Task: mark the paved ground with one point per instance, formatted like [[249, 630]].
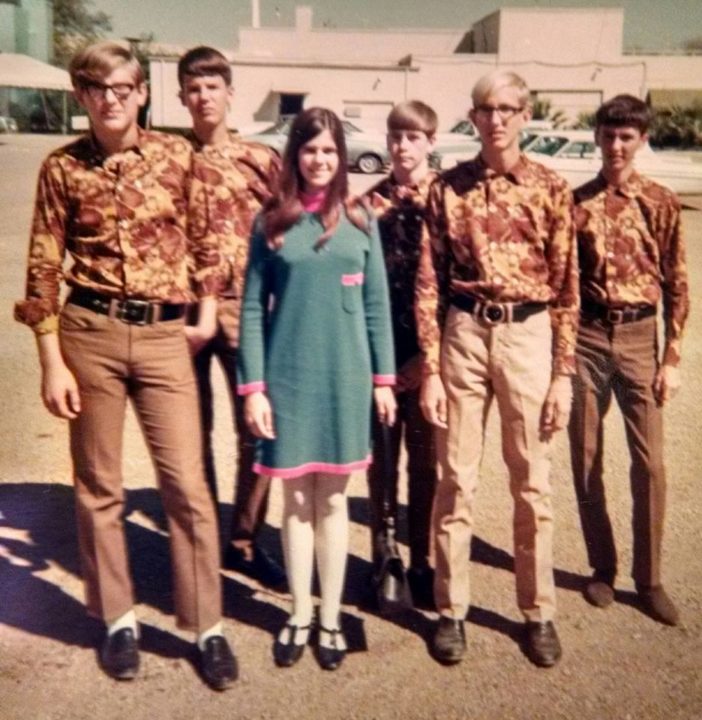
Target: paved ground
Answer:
[[617, 663]]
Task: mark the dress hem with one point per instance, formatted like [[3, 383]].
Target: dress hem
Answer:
[[311, 467]]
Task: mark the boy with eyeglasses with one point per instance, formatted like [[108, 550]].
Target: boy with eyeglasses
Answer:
[[119, 201], [632, 256], [398, 202], [238, 178], [497, 313]]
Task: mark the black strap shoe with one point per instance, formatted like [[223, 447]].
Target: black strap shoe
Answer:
[[119, 655], [218, 664], [287, 653], [543, 647], [331, 656], [449, 643]]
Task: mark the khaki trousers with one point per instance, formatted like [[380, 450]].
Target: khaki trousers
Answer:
[[619, 359], [150, 364], [511, 362]]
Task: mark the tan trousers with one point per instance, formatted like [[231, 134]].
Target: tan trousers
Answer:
[[511, 362], [150, 364]]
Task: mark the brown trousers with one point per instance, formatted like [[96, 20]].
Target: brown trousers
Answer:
[[252, 490], [150, 364], [512, 363], [619, 360]]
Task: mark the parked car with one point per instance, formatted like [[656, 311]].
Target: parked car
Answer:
[[7, 124], [574, 155], [367, 151]]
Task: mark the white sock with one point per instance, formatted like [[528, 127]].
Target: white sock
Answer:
[[215, 630], [128, 620]]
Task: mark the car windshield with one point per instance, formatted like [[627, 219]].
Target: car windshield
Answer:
[[548, 144]]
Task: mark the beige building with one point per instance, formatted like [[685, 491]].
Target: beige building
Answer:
[[572, 57]]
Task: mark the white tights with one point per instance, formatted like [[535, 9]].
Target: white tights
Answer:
[[315, 518]]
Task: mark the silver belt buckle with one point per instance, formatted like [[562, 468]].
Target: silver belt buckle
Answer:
[[493, 313], [134, 312]]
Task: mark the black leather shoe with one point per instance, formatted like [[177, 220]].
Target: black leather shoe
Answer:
[[543, 647], [119, 655], [449, 644], [258, 565], [286, 654], [330, 658], [218, 664]]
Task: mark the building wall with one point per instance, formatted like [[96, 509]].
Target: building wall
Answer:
[[26, 28]]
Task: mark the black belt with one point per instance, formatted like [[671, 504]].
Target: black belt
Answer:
[[618, 315], [493, 313], [128, 310]]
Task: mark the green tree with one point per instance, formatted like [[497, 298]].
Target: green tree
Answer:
[[677, 126], [76, 25], [542, 109]]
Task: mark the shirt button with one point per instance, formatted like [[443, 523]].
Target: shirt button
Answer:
[[124, 224]]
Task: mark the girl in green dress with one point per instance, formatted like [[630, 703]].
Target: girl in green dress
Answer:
[[315, 350]]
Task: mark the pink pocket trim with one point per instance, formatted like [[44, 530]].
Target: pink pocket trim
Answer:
[[352, 279]]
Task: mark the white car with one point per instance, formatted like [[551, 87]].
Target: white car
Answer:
[[574, 155]]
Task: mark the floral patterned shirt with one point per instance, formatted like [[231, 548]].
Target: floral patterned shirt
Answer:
[[500, 237], [238, 177], [123, 219], [632, 252], [400, 213]]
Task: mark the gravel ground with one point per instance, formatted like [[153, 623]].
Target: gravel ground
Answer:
[[617, 663]]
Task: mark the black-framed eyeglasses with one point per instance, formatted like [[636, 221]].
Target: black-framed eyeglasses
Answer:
[[506, 112], [98, 91]]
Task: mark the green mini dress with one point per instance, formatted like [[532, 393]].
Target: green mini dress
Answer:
[[316, 337]]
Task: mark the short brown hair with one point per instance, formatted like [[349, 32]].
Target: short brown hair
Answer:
[[413, 115], [95, 62], [201, 61], [624, 111]]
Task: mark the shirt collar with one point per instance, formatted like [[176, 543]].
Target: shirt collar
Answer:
[[631, 188], [95, 155], [521, 173]]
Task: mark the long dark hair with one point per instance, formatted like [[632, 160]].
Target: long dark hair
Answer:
[[283, 210]]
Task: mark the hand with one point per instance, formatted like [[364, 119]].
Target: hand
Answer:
[[258, 415], [666, 384], [198, 336], [556, 408], [385, 404], [432, 400], [59, 391]]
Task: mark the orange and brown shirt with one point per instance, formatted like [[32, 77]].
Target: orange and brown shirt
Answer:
[[237, 178], [123, 219], [399, 210], [499, 237], [632, 251]]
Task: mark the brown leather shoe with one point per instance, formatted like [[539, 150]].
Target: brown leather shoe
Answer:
[[657, 604], [543, 647], [599, 591], [449, 644]]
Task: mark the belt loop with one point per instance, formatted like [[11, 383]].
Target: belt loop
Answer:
[[112, 308]]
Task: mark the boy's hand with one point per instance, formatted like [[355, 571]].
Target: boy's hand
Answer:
[[556, 408], [432, 400], [666, 384], [59, 391]]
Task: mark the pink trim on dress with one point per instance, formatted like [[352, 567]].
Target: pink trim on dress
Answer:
[[311, 467], [384, 379], [312, 202], [351, 279], [252, 387]]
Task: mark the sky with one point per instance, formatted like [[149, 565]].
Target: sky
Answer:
[[654, 25]]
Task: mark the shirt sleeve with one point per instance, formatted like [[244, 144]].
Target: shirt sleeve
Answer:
[[431, 289], [47, 249], [562, 256], [254, 315], [206, 266], [376, 302], [675, 288]]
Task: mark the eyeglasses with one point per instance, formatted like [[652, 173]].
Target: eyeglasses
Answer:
[[98, 91], [506, 112]]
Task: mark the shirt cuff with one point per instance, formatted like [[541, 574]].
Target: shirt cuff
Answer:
[[382, 380]]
